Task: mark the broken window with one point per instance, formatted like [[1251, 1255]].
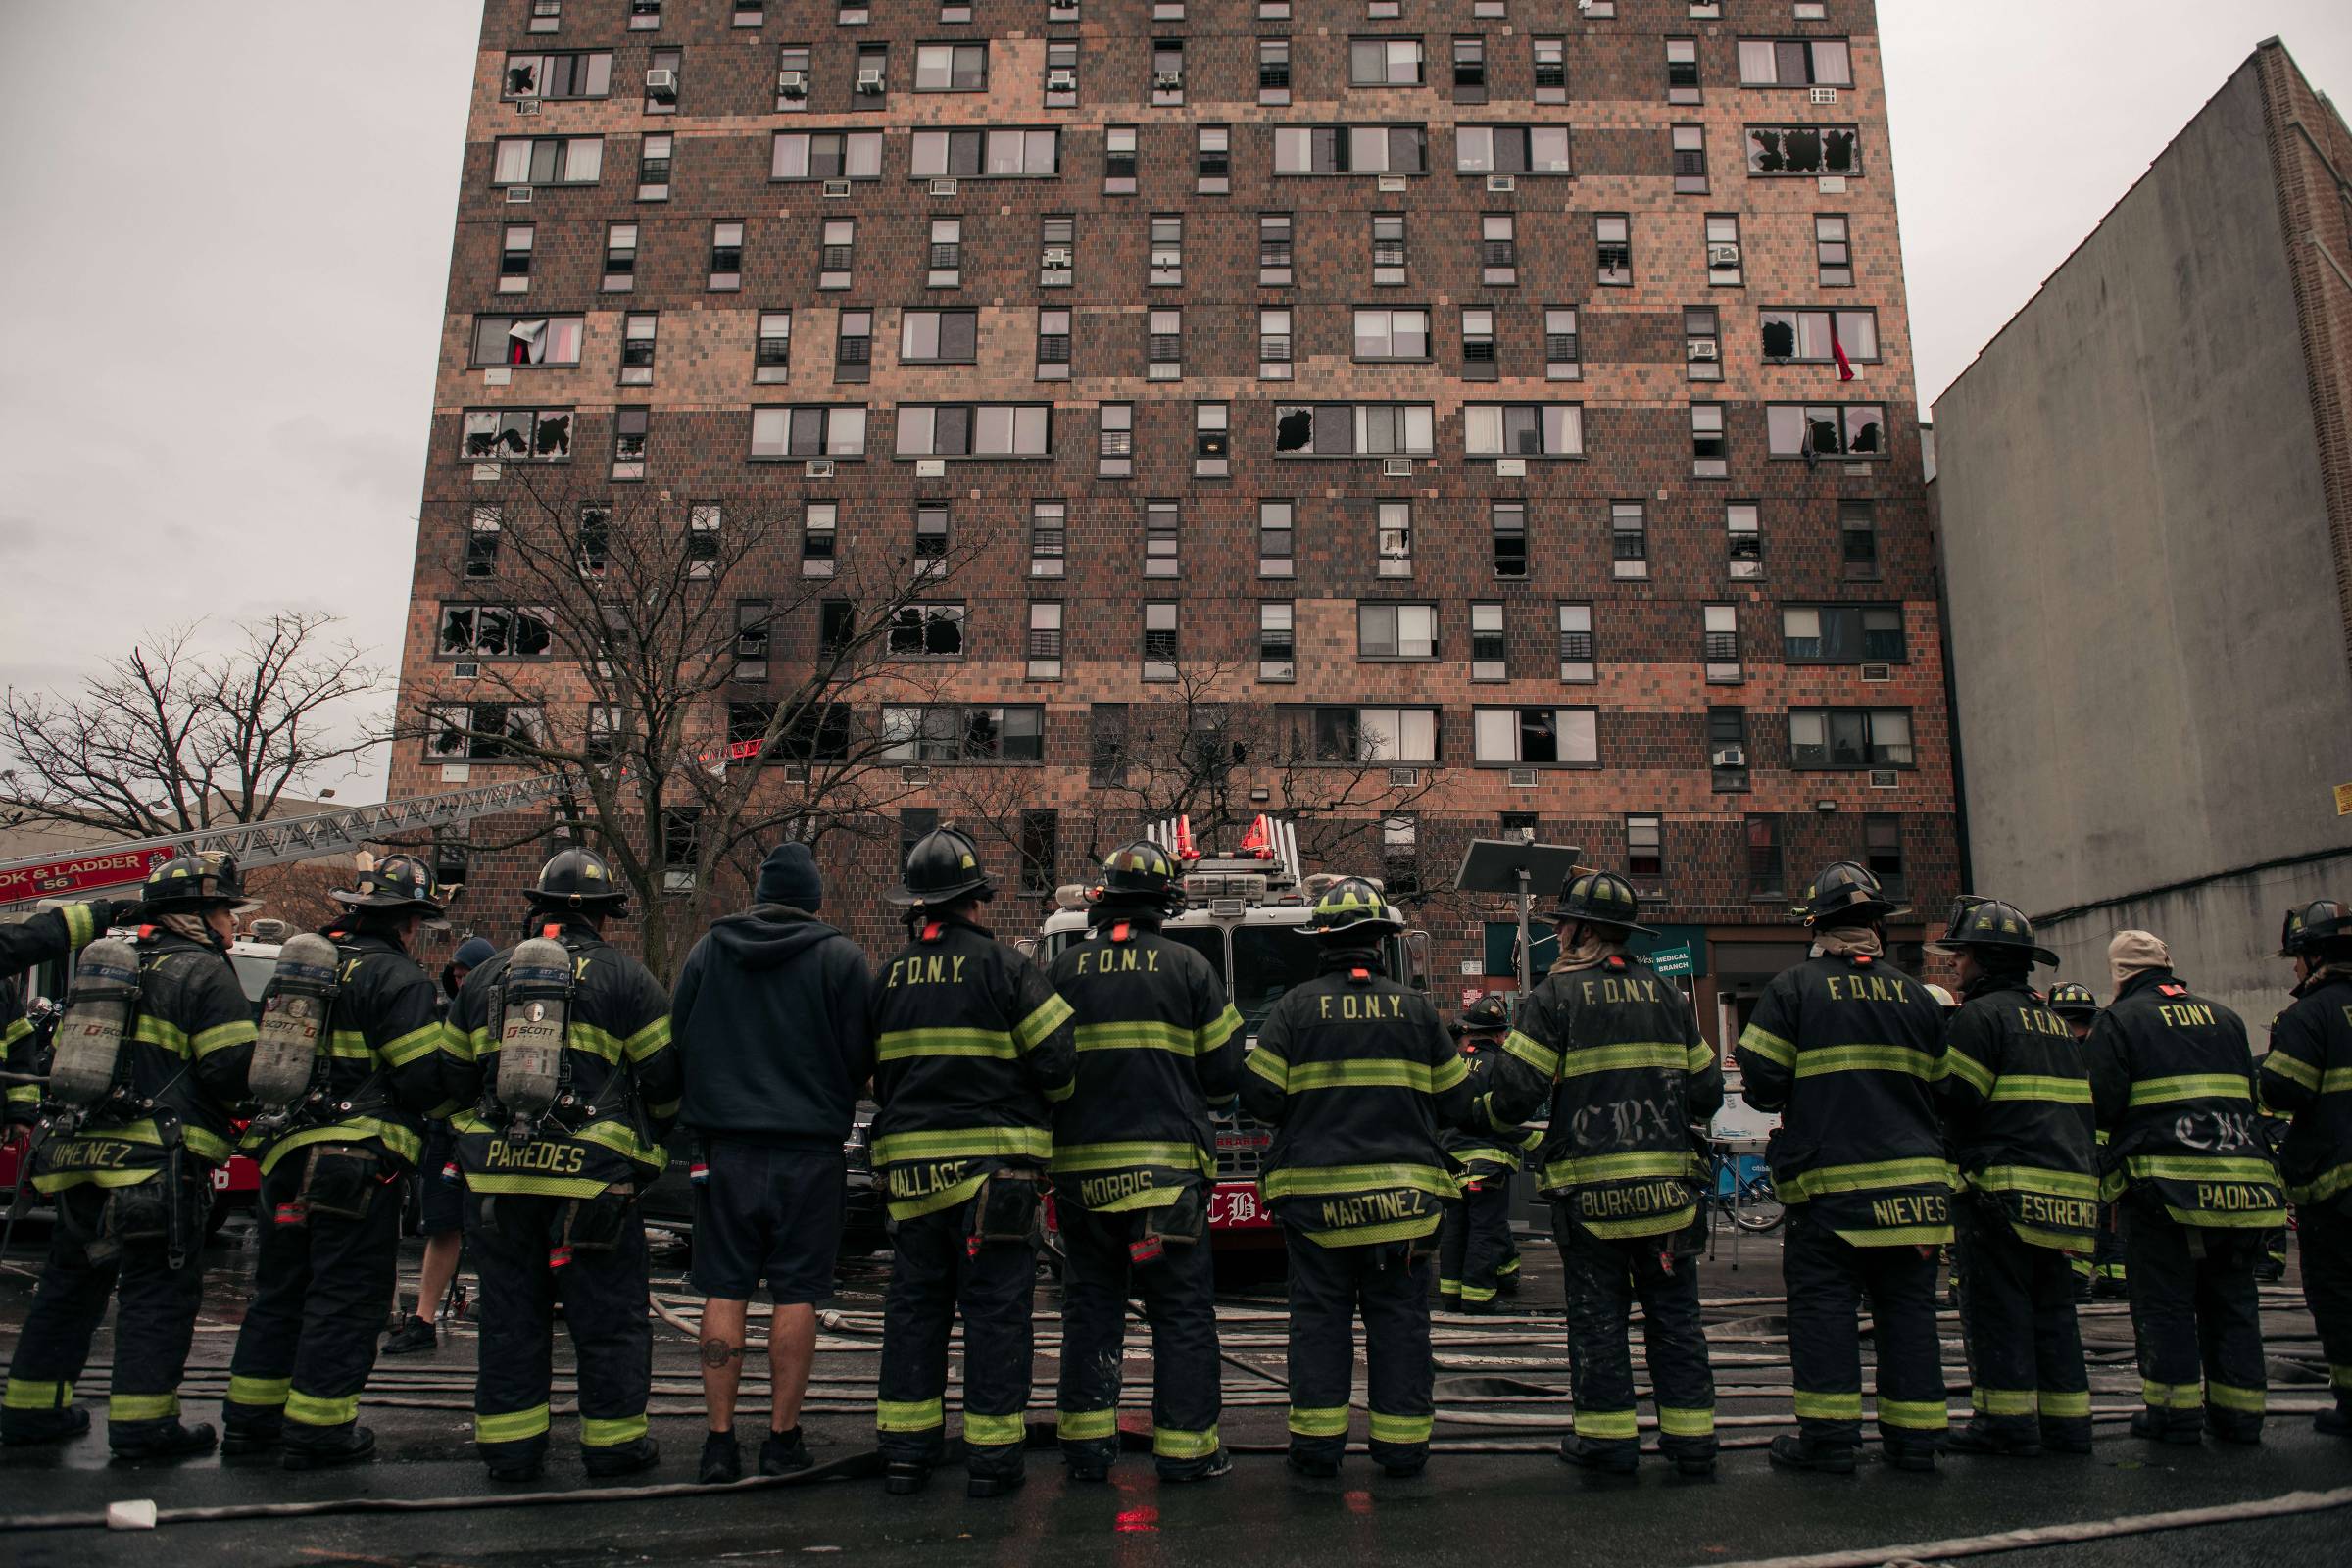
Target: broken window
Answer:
[[566, 76], [493, 435], [1812, 430], [481, 541], [496, 632], [528, 339], [927, 631], [1803, 150], [482, 732], [1355, 430], [1818, 338]]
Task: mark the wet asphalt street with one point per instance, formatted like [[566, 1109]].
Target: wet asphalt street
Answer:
[[1493, 1492]]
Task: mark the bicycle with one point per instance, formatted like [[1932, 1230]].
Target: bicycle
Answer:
[[1740, 1185]]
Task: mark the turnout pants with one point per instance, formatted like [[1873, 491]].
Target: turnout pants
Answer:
[[1826, 1278], [2327, 1288], [2195, 1316], [514, 1236], [1180, 1303], [1386, 1282], [1603, 1279], [155, 1318], [322, 1291], [1474, 1243], [2017, 1314], [934, 1272]]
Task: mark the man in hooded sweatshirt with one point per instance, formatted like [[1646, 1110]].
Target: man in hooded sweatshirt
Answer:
[[772, 1020]]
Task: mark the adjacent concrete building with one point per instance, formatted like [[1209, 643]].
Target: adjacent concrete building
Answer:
[[2145, 492]]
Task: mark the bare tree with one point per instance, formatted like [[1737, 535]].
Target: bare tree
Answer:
[[170, 738], [699, 701]]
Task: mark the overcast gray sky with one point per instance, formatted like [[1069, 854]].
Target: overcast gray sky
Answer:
[[227, 236]]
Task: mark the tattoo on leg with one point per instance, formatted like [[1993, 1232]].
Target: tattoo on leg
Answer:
[[718, 1352]]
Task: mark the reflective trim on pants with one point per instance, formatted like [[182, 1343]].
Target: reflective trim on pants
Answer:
[[511, 1425], [310, 1410], [142, 1406], [611, 1432], [909, 1415], [1326, 1422], [1168, 1444], [1085, 1426], [1607, 1425], [266, 1393], [23, 1396]]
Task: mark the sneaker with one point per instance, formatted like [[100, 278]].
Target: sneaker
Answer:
[[993, 1486], [25, 1427], [902, 1478], [1792, 1452], [1312, 1466], [1219, 1463], [622, 1459], [1608, 1458], [172, 1442], [1977, 1439], [411, 1337], [782, 1453], [722, 1460], [347, 1447], [2156, 1429]]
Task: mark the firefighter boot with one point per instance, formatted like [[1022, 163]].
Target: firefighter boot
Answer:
[[25, 1427], [1982, 1437], [622, 1459], [1606, 1458], [1793, 1452], [347, 1446], [168, 1440]]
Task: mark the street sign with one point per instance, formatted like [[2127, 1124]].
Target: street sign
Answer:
[[2343, 800], [1674, 961], [78, 873]]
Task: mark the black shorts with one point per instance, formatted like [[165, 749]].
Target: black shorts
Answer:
[[440, 1205], [772, 1214]]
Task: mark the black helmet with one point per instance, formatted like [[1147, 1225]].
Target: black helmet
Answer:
[[1845, 890], [2070, 1000], [1140, 872], [1990, 925], [193, 882], [1489, 1012], [1352, 907], [401, 882], [1599, 898], [577, 879], [943, 867], [2314, 926]]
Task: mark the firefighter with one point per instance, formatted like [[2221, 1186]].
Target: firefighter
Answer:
[[2308, 1074], [2101, 1275], [1848, 1048], [2173, 1081], [2017, 1105], [50, 935], [1356, 1074], [1134, 1154], [1613, 1055], [332, 1176], [131, 1174], [972, 1050], [550, 1189], [1476, 1255], [440, 1192]]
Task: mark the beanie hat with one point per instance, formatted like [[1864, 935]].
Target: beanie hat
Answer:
[[2136, 952], [787, 877], [473, 952]]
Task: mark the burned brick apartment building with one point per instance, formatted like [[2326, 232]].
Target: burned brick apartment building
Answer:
[[1460, 417]]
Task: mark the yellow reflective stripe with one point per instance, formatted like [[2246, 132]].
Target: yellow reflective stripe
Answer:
[[399, 1141], [934, 1201], [81, 925], [2336, 1081], [589, 1040], [1863, 1177], [1917, 1415], [2045, 1087], [1357, 1073], [1820, 1060], [994, 1430], [1085, 1426], [1771, 1046], [1320, 1421], [540, 1186], [415, 1044], [311, 1411], [1401, 1427], [1533, 1052], [462, 1043], [1699, 1057], [2070, 1404], [611, 1432], [2000, 1401], [262, 1392], [1060, 1092], [1142, 1034], [1899, 1236], [1478, 1293], [1403, 1230], [350, 1044], [222, 1037], [1267, 1064], [512, 1426], [153, 1031], [2325, 1186], [1031, 1032], [623, 1141], [2339, 1378], [1214, 1034], [2172, 1396], [1968, 1069], [2294, 1069], [1674, 1423], [666, 1109], [1447, 1074], [1625, 1055], [902, 1045], [963, 1143], [2200, 1167], [203, 1142], [24, 1395], [1322, 1181], [2190, 1086], [1829, 1407], [1174, 1443], [908, 1415], [2035, 1179], [24, 1094], [1607, 1425], [141, 1406], [647, 1040], [2246, 1401], [17, 1029], [1614, 1167], [1070, 1159]]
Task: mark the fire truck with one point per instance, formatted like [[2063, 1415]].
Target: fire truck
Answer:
[[1243, 913]]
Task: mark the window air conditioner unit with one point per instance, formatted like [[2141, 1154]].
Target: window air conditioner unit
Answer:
[[519, 195], [528, 105], [1825, 95], [869, 83], [464, 669], [1057, 259], [1061, 81], [917, 776], [793, 83], [1878, 673], [796, 773], [1510, 467], [837, 187], [818, 469], [943, 187], [662, 86], [1396, 467], [1882, 778], [930, 467], [1062, 10], [1729, 757], [1168, 82], [1523, 778], [1501, 182], [1404, 778], [1394, 182], [1705, 348], [1720, 256]]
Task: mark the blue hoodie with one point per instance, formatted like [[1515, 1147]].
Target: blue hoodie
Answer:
[[771, 1018]]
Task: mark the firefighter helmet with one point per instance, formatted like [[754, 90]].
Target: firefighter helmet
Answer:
[[193, 882], [943, 867], [401, 882], [1990, 926], [2312, 926], [1599, 898], [1352, 908], [1488, 1012], [2070, 999], [1844, 890], [1943, 999], [577, 878], [1140, 872]]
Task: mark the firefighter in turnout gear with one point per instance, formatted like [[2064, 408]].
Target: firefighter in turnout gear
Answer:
[[1134, 1154], [1475, 1250], [1356, 1074], [130, 1168], [48, 936], [2308, 1075], [334, 1167], [2017, 1104], [2101, 1275], [556, 1055], [1848, 1048], [1612, 1055], [972, 1050], [2173, 1081]]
